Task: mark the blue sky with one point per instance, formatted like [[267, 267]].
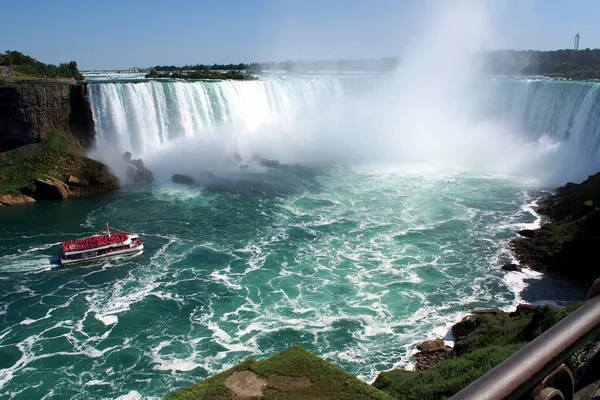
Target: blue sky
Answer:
[[120, 34]]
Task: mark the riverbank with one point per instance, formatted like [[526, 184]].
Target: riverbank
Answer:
[[566, 244], [51, 169]]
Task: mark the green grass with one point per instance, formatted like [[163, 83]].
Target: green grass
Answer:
[[328, 381], [446, 378], [56, 156]]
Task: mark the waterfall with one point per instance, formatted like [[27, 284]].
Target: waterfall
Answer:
[[485, 123], [143, 116], [562, 110]]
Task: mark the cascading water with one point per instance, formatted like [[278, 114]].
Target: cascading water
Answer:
[[142, 117], [347, 115], [563, 110]]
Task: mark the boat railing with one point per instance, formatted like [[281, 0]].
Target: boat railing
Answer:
[[538, 370]]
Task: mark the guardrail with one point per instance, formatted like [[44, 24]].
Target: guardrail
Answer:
[[537, 370]]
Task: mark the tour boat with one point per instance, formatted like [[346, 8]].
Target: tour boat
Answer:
[[105, 245]]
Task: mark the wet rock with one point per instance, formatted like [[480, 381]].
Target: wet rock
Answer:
[[511, 267], [522, 310], [15, 199], [183, 179], [527, 233], [137, 172], [265, 162], [50, 189], [432, 352], [467, 325], [431, 345]]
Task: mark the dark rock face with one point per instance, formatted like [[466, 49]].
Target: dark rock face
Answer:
[[183, 179], [28, 112], [50, 189], [567, 243], [467, 325], [527, 233], [511, 267]]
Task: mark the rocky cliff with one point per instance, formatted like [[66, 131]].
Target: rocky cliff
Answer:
[[567, 244], [28, 112]]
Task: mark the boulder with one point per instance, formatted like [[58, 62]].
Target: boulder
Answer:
[[466, 326], [137, 172], [15, 199], [74, 181], [432, 352], [432, 345], [265, 162], [527, 233], [511, 267], [183, 179], [50, 189]]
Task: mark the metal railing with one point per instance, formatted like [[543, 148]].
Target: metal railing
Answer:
[[535, 370]]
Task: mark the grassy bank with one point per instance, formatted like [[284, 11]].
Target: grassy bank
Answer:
[[294, 374], [483, 341], [57, 156]]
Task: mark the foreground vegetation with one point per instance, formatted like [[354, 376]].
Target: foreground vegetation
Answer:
[[483, 341], [325, 381], [58, 156], [15, 65]]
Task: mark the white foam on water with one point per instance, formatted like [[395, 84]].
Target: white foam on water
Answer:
[[97, 382], [131, 395], [107, 319]]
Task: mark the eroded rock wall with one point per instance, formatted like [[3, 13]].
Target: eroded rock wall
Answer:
[[28, 112]]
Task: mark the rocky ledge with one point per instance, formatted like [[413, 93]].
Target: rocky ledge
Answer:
[[566, 244], [50, 170]]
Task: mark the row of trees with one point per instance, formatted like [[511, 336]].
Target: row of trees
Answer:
[[383, 64], [568, 63], [201, 74], [28, 65]]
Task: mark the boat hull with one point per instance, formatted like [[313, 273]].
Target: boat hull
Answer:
[[132, 251]]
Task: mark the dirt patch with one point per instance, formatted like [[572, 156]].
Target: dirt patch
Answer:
[[246, 384], [290, 382]]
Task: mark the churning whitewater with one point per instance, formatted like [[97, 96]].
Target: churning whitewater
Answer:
[[366, 240]]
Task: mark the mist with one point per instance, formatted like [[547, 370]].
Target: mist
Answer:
[[433, 110]]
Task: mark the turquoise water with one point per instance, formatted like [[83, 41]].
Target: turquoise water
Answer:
[[356, 264]]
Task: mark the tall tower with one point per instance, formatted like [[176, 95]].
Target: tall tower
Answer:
[[576, 47]]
